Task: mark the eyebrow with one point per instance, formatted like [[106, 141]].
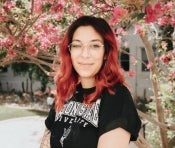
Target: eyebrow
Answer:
[[94, 40]]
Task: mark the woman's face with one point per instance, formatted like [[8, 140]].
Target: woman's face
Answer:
[[87, 52]]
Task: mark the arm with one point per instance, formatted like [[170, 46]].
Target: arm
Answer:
[[45, 142], [117, 138]]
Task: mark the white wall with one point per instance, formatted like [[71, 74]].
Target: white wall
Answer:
[[9, 81], [141, 82]]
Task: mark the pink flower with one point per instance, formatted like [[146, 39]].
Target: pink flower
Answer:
[[158, 10], [153, 13], [163, 20], [172, 76], [11, 53], [131, 73], [2, 18], [7, 41], [48, 28], [58, 16], [112, 21], [55, 39], [74, 9], [139, 29], [126, 43], [7, 6], [168, 6], [37, 27], [168, 16], [37, 8], [151, 16], [104, 7], [166, 58], [156, 59], [121, 31], [28, 40], [94, 2], [57, 8], [45, 28], [149, 65], [32, 50], [45, 43], [168, 111], [118, 13], [79, 13], [76, 1], [133, 60]]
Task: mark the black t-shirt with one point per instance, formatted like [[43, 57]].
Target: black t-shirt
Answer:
[[80, 126]]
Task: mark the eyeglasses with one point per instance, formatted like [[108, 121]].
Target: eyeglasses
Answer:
[[93, 47]]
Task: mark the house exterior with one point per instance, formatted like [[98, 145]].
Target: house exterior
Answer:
[[140, 84]]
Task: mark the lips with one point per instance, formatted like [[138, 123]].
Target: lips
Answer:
[[85, 64]]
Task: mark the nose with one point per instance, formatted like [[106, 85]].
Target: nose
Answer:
[[85, 52]]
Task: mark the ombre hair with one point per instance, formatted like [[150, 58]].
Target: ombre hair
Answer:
[[110, 74]]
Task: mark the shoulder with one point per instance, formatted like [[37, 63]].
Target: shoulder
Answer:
[[120, 88], [120, 93], [118, 110]]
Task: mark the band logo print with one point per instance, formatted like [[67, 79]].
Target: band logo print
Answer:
[[79, 113]]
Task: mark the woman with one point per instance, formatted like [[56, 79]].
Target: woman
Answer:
[[93, 107]]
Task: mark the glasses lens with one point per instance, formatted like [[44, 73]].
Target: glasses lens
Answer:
[[95, 45], [75, 46]]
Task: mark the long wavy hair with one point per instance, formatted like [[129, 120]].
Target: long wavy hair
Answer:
[[111, 73]]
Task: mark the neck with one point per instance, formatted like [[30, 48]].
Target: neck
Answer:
[[87, 82]]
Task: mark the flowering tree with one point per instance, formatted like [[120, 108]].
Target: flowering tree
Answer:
[[31, 31]]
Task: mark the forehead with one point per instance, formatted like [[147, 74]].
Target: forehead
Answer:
[[86, 34]]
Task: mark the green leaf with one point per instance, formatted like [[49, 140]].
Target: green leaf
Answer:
[[137, 15]]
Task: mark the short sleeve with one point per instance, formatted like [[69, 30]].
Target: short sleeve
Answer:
[[50, 118], [119, 110]]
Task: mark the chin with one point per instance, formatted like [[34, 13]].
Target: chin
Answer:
[[86, 75]]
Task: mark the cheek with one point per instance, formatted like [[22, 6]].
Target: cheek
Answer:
[[73, 59], [74, 63], [101, 58], [100, 63]]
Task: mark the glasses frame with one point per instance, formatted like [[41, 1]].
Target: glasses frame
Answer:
[[85, 45]]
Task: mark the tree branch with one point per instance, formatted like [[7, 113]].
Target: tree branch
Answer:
[[155, 122]]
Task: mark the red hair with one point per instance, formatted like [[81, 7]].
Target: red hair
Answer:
[[110, 73]]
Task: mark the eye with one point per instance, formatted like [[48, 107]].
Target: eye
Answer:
[[75, 45], [96, 45]]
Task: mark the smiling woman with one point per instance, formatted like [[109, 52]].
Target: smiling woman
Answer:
[[87, 61], [93, 108]]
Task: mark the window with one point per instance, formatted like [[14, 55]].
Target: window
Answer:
[[3, 69], [144, 59], [124, 59]]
